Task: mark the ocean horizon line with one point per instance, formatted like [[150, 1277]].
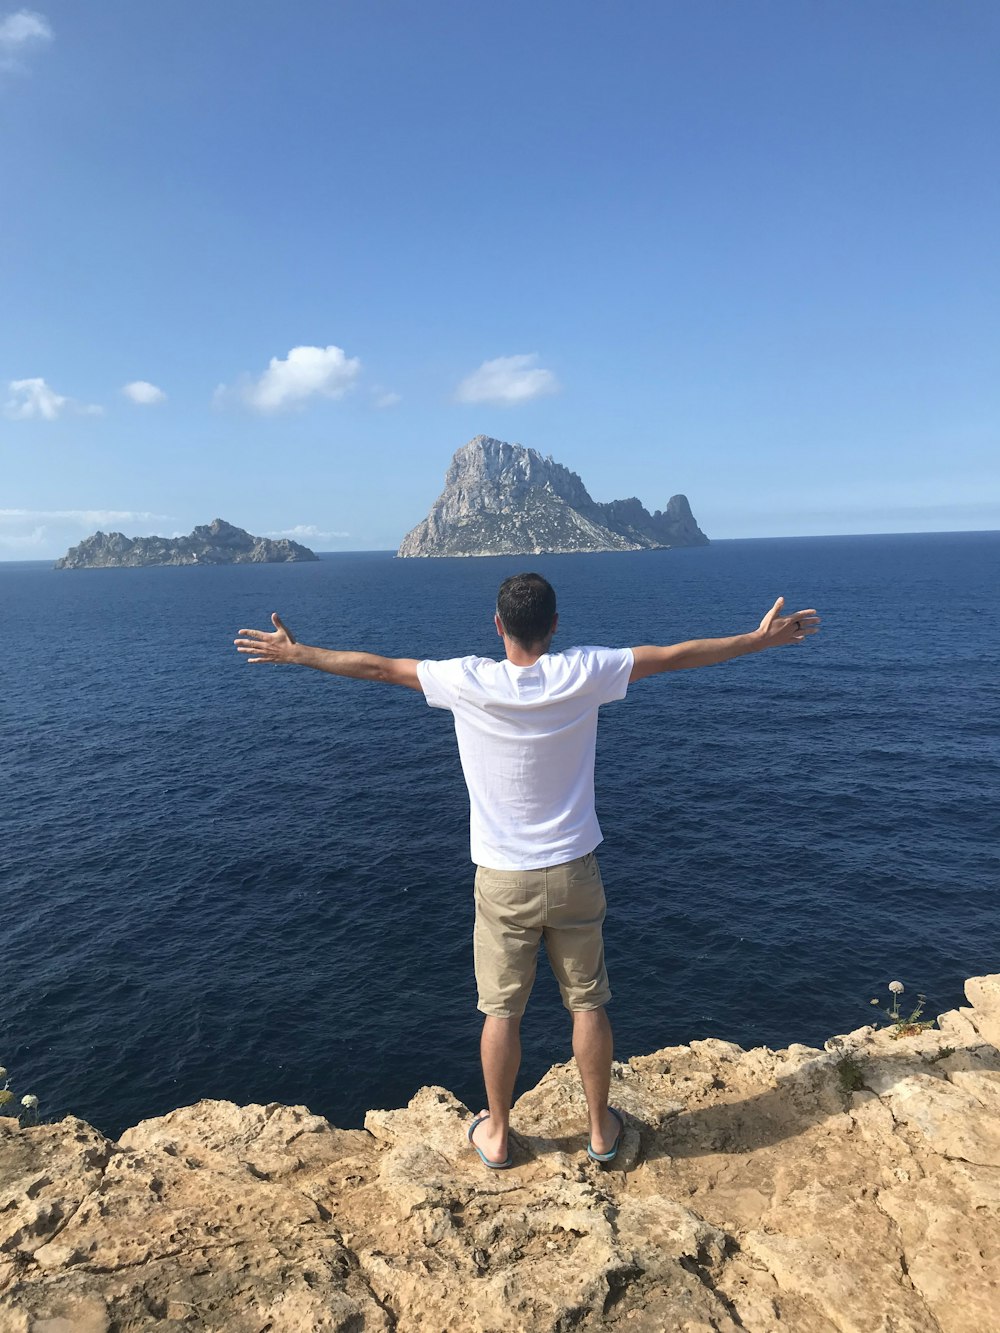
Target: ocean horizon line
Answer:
[[713, 541]]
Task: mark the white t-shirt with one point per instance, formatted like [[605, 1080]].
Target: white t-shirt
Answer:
[[527, 738]]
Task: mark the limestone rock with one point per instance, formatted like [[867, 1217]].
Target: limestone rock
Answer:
[[47, 1173], [984, 995], [503, 499], [215, 543], [754, 1190]]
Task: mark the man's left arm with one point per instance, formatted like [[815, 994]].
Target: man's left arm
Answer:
[[281, 646], [774, 631]]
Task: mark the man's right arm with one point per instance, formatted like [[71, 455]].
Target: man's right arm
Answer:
[[281, 646], [773, 632]]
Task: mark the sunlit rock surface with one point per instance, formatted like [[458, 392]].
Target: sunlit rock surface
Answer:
[[854, 1189], [503, 499]]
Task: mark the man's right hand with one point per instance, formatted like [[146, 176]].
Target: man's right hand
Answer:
[[281, 646], [265, 646]]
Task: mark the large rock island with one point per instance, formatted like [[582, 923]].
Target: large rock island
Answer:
[[215, 543], [853, 1189], [503, 499]]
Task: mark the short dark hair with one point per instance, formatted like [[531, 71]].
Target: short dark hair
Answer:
[[526, 605]]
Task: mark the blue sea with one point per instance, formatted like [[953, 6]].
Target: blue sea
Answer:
[[249, 882]]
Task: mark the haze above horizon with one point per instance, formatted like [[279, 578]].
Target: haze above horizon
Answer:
[[279, 264]]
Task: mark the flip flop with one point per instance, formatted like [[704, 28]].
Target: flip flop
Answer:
[[612, 1153], [494, 1166]]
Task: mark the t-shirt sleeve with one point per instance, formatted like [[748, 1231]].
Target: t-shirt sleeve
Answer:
[[610, 669], [440, 681]]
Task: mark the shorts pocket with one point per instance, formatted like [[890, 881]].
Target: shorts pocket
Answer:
[[510, 895], [586, 874]]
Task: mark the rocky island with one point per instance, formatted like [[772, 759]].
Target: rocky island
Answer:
[[504, 499], [215, 543], [849, 1189]]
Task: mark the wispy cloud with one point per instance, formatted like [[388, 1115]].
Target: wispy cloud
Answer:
[[40, 532], [28, 540], [144, 393], [100, 518], [383, 399], [303, 532], [20, 32], [34, 399], [306, 372], [507, 380]]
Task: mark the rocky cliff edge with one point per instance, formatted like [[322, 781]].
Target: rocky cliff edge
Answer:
[[854, 1189]]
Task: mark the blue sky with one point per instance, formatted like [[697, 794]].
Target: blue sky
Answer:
[[747, 251]]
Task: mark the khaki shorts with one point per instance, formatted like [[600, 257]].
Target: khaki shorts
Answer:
[[515, 910]]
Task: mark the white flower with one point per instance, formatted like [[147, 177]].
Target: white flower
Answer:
[[3, 1072], [896, 987], [29, 1100]]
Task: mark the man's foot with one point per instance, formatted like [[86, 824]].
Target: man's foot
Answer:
[[603, 1147], [491, 1145]]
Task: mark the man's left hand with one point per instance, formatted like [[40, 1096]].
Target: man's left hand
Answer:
[[776, 630]]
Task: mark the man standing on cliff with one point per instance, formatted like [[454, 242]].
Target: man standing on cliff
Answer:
[[527, 731]]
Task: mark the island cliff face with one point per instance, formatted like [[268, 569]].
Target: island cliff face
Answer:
[[215, 543], [503, 499], [853, 1189]]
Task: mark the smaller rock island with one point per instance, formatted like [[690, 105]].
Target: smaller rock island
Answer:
[[215, 543]]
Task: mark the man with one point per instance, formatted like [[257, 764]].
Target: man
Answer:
[[527, 730]]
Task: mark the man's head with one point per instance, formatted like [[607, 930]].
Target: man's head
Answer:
[[526, 610]]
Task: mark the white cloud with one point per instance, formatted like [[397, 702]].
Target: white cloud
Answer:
[[506, 380], [383, 400], [33, 398], [144, 393], [303, 532], [19, 32], [306, 372]]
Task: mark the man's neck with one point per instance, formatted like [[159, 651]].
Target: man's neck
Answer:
[[518, 655]]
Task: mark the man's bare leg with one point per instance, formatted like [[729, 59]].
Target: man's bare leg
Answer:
[[500, 1049], [593, 1048]]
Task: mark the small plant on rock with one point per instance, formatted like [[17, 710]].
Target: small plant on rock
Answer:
[[850, 1074], [29, 1102], [942, 1054], [903, 1026]]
